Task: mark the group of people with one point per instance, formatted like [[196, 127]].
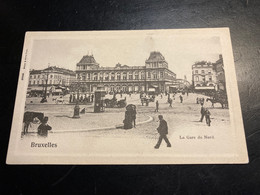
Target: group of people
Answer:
[[82, 98]]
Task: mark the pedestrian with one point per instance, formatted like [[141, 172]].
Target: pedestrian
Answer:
[[202, 112], [163, 131], [181, 98], [157, 106], [92, 97], [70, 98], [207, 116], [128, 119], [133, 115], [170, 102], [147, 101], [44, 127]]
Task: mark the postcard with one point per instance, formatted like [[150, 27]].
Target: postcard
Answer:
[[128, 97]]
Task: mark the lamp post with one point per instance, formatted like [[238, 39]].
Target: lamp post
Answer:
[[44, 98], [76, 108]]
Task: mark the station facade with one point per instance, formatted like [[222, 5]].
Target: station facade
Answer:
[[153, 76]]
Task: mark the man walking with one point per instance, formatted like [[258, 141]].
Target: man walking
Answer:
[[202, 112], [163, 131]]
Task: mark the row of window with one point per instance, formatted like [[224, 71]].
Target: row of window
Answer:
[[203, 78], [118, 76], [44, 76], [202, 72]]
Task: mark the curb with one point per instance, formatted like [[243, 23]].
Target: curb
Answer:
[[103, 128]]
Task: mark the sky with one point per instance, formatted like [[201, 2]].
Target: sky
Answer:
[[180, 51]]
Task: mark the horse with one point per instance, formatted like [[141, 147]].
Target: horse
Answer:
[[29, 117], [223, 103]]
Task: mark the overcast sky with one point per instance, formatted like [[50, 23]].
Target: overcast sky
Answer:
[[180, 51]]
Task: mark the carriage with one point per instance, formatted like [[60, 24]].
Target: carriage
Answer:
[[114, 103]]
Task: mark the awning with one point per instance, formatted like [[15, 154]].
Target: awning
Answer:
[[154, 86], [209, 87]]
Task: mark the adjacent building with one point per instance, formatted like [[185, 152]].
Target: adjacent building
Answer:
[[207, 75], [54, 78], [153, 76]]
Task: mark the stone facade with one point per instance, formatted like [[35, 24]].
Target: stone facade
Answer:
[[123, 78]]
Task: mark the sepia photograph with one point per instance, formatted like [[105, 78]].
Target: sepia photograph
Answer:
[[128, 97]]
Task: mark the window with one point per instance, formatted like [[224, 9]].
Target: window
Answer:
[[149, 75], [210, 78], [155, 75], [196, 71], [118, 76], [95, 77], [142, 75], [136, 76], [101, 76], [196, 78], [161, 74], [202, 71], [124, 76], [112, 76], [106, 76], [130, 76]]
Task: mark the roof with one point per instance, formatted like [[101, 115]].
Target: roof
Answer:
[[88, 59], [35, 71], [155, 56], [62, 70]]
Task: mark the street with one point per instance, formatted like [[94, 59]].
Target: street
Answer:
[[96, 133]]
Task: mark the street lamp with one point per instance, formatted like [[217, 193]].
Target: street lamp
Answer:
[[44, 98], [76, 108]]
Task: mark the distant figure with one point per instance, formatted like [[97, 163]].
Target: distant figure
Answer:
[[128, 118], [163, 131], [147, 102], [207, 116], [202, 112], [92, 98], [170, 102], [181, 98], [134, 115], [157, 106], [44, 128]]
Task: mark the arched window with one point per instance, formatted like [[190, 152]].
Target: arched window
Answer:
[[124, 76], [136, 75], [155, 75], [148, 75], [196, 78], [101, 76], [95, 76], [142, 76], [112, 76], [118, 76], [106, 76], [130, 76]]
